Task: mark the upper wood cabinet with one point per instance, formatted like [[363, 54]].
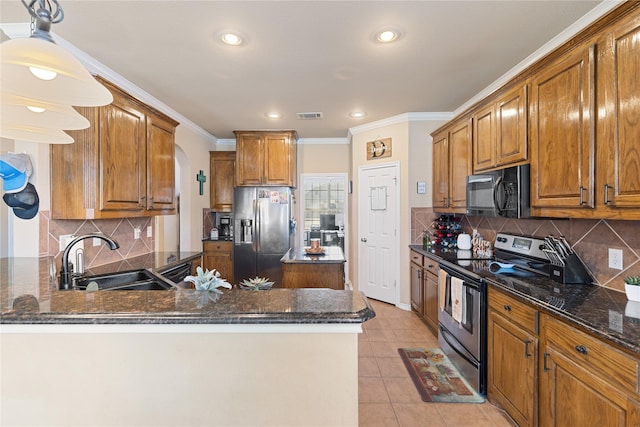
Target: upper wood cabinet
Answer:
[[266, 158], [222, 172], [562, 132], [618, 131], [451, 165], [123, 165], [500, 131]]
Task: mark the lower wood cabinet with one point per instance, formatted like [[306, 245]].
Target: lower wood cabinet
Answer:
[[219, 255], [560, 377], [424, 289], [512, 354]]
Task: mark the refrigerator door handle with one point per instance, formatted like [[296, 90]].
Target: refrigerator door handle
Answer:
[[256, 225]]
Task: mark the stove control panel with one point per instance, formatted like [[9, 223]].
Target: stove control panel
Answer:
[[528, 246]]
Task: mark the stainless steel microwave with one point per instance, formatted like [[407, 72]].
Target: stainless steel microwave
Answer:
[[503, 192]]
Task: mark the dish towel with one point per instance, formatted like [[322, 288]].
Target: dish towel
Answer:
[[456, 299], [442, 288]]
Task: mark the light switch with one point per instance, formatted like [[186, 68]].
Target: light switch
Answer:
[[149, 231], [422, 187]]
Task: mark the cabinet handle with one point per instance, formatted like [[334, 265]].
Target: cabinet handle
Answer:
[[581, 199], [430, 266], [581, 349], [526, 349], [544, 364], [507, 307], [606, 194]]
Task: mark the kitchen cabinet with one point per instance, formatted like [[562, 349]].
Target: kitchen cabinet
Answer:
[[618, 131], [512, 355], [424, 289], [219, 255], [123, 165], [584, 381], [265, 158], [562, 132], [500, 131], [222, 172], [451, 166]]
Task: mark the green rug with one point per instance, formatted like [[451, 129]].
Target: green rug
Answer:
[[435, 377]]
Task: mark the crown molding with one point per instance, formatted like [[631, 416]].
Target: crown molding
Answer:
[[94, 66], [324, 141], [590, 17], [401, 118]]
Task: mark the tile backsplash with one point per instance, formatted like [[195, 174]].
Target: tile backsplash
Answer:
[[120, 229], [589, 238]]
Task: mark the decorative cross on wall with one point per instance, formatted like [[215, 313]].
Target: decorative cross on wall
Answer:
[[201, 179]]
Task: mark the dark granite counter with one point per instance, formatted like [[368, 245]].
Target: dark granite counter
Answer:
[[28, 295], [601, 311], [298, 255]]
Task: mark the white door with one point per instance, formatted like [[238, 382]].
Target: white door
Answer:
[[378, 206]]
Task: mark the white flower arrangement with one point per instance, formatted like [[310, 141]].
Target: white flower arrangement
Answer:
[[208, 281]]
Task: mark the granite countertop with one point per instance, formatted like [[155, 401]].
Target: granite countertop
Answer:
[[298, 255], [601, 311], [29, 296]]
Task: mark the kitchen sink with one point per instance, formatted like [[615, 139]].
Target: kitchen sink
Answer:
[[137, 280]]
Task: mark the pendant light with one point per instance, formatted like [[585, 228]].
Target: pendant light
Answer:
[[35, 134], [37, 68], [20, 110]]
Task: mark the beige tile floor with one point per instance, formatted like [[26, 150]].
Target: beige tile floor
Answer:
[[387, 396]]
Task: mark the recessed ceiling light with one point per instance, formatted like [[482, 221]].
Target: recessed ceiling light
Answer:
[[387, 35], [357, 114], [274, 115], [231, 38]]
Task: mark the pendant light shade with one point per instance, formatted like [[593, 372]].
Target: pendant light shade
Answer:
[[21, 110], [34, 134], [65, 81]]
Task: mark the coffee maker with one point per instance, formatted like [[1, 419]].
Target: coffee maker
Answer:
[[225, 226]]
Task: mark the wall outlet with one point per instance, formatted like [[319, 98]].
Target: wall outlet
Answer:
[[136, 233], [64, 240], [96, 241], [149, 231], [615, 259]]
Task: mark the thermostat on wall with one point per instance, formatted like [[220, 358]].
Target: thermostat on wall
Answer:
[[422, 187]]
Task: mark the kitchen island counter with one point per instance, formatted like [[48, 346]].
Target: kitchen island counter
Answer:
[[197, 360], [302, 270]]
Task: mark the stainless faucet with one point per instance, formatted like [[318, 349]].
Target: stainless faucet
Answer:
[[66, 275]]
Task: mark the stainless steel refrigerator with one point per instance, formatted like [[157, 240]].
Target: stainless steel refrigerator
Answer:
[[262, 232]]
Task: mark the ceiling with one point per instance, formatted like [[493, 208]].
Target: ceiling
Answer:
[[308, 56]]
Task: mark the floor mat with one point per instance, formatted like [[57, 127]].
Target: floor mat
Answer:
[[435, 377]]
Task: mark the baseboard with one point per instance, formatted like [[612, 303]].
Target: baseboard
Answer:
[[405, 307]]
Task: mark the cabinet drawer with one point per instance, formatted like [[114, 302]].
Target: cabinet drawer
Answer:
[[516, 311], [417, 258], [593, 354], [430, 265], [218, 246]]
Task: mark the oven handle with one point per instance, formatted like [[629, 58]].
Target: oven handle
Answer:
[[456, 347]]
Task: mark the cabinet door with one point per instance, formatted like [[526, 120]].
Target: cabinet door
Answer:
[[511, 127], [484, 138], [249, 159], [460, 165], [512, 366], [122, 154], [430, 300], [441, 170], [572, 396], [416, 288], [219, 256], [222, 171], [278, 159], [562, 132], [161, 165], [618, 89]]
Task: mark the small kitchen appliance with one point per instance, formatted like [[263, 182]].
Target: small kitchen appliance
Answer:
[[504, 193], [225, 226]]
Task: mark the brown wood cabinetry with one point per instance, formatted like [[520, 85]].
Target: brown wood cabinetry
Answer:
[[562, 132], [222, 172], [512, 355], [424, 289], [584, 381], [265, 158], [500, 131], [219, 255], [544, 371], [451, 165], [123, 165]]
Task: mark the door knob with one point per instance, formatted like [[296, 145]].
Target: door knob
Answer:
[[363, 239]]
